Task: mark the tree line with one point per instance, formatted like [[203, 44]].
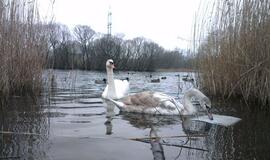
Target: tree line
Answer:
[[83, 48]]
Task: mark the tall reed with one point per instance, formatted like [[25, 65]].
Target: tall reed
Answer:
[[22, 48], [234, 57]]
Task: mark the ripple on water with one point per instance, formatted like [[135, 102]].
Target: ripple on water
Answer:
[[74, 110]]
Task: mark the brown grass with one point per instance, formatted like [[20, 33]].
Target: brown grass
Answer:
[[234, 58], [22, 46]]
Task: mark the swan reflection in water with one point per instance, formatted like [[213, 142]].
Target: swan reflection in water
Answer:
[[154, 123], [109, 116], [156, 146], [157, 137]]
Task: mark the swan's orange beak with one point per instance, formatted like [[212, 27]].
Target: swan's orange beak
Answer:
[[113, 66]]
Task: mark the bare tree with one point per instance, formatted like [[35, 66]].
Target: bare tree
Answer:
[[84, 35], [61, 47], [90, 50], [54, 41]]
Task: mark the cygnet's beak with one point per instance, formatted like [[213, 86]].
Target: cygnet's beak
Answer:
[[209, 113]]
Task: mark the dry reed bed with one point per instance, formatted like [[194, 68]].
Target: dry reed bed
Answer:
[[234, 58], [22, 46]]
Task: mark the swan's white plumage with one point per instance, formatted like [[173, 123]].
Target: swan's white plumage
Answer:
[[150, 103], [121, 89], [115, 88], [159, 103]]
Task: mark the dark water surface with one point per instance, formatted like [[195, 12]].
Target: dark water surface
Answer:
[[71, 121]]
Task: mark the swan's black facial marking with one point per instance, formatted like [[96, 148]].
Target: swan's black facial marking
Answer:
[[110, 64]]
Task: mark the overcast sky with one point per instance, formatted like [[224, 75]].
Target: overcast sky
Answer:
[[165, 22]]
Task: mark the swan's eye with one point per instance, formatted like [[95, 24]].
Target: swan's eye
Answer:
[[206, 106], [111, 62]]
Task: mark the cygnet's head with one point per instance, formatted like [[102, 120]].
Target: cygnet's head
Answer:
[[110, 64], [205, 103]]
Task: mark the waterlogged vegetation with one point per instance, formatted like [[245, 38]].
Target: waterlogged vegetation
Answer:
[[22, 48], [234, 57]]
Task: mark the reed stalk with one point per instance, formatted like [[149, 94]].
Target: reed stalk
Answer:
[[234, 56], [22, 48]]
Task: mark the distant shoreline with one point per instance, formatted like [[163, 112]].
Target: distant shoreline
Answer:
[[175, 70], [156, 70]]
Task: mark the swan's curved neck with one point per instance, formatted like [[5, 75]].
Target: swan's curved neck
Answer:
[[111, 86], [188, 105]]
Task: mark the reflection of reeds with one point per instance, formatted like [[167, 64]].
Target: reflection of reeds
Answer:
[[234, 59], [22, 48]]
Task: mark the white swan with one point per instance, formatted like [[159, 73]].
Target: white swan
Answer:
[[159, 103], [115, 88]]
